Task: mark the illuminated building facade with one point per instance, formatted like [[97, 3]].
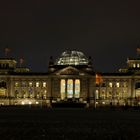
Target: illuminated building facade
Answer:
[[70, 79]]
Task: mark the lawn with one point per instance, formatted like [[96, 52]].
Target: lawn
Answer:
[[69, 124]]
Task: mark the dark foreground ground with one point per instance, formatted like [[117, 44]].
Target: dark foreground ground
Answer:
[[69, 124]]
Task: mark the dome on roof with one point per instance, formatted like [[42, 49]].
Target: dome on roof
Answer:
[[72, 58]]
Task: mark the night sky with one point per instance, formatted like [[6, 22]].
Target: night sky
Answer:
[[106, 30]]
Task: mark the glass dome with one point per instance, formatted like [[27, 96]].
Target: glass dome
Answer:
[[72, 58]]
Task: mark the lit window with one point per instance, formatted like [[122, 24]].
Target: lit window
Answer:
[[72, 58], [138, 65], [97, 94], [16, 84], [110, 84], [63, 88], [134, 65], [44, 96], [77, 88], [117, 84], [37, 95], [44, 84], [30, 84], [37, 84], [70, 88]]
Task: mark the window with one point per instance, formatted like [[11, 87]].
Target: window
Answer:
[[118, 94], [37, 84], [138, 65], [62, 88], [44, 84], [117, 84], [44, 96], [77, 88], [97, 94], [24, 93], [16, 84], [125, 84], [30, 84], [97, 85], [103, 94], [69, 88], [103, 84], [23, 84], [16, 93], [110, 84], [134, 65], [2, 92], [124, 94], [109, 94]]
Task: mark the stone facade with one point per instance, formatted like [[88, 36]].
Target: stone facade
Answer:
[[74, 83]]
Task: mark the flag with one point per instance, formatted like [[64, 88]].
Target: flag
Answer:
[[7, 50], [138, 50], [21, 61], [99, 78]]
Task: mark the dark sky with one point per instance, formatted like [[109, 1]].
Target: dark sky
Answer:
[[106, 30]]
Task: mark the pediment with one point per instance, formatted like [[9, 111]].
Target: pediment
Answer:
[[68, 71]]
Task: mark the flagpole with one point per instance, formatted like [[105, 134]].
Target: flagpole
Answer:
[[138, 52], [98, 81], [21, 60], [7, 50]]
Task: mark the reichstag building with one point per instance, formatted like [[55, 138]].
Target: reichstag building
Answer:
[[69, 79]]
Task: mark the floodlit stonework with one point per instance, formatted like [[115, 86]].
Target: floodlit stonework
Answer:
[[70, 79]]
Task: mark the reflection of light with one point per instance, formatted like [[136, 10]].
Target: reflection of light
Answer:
[[96, 102], [22, 103], [30, 103], [37, 103]]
